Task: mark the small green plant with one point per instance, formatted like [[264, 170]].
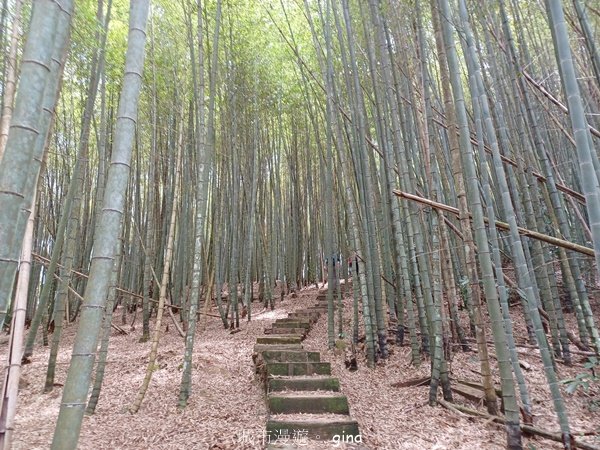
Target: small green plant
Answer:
[[584, 380]]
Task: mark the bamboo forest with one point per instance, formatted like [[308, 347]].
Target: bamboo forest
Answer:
[[285, 224]]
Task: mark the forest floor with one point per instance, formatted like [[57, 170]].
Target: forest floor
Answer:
[[227, 407]]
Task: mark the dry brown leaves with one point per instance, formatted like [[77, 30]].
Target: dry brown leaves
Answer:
[[227, 407], [400, 418]]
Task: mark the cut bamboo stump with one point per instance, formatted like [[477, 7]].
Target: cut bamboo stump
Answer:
[[303, 398]]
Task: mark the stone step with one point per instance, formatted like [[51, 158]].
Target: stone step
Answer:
[[298, 368], [300, 312], [282, 356], [316, 307], [311, 316], [279, 339], [324, 291], [288, 319], [336, 428], [291, 323], [299, 442], [304, 383], [272, 356], [259, 348], [322, 298], [325, 305], [305, 402], [285, 330]]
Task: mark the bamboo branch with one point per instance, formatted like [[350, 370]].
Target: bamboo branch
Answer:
[[541, 88], [502, 225], [80, 297], [561, 187], [554, 100], [45, 261]]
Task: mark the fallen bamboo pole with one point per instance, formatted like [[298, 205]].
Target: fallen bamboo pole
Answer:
[[502, 225], [526, 428]]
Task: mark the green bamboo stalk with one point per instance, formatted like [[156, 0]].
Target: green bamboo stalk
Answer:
[[581, 135], [76, 387], [491, 295], [41, 72]]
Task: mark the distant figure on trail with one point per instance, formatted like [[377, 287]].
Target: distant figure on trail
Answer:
[[353, 260], [337, 263], [337, 259]]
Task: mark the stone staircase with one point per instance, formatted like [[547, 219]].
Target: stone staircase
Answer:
[[304, 400]]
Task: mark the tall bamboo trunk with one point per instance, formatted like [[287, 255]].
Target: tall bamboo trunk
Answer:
[[75, 392]]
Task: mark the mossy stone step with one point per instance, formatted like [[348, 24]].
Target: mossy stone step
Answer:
[[291, 323], [322, 298], [278, 330], [280, 339], [303, 402], [325, 305], [323, 294], [287, 319], [272, 356], [319, 429], [311, 316], [304, 383], [259, 348], [300, 313], [303, 313], [298, 368]]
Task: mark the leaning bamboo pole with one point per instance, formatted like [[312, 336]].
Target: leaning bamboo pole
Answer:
[[503, 225]]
